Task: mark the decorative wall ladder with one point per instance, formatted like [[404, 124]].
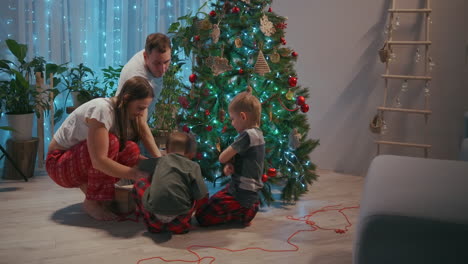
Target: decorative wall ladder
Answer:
[[386, 55]]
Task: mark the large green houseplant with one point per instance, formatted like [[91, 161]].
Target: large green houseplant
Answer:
[[18, 96]]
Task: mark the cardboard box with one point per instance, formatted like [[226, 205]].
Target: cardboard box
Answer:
[[123, 202]]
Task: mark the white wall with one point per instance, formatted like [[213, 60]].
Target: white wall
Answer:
[[337, 42]]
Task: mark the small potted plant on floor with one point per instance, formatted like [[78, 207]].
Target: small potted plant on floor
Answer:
[[164, 118]]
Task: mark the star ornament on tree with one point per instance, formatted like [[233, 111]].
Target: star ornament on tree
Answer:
[[218, 65]]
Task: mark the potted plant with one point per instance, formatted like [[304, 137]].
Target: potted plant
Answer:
[[164, 117], [19, 99], [83, 84], [111, 77], [77, 82]]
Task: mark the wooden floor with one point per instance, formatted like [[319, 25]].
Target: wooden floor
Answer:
[[41, 222]]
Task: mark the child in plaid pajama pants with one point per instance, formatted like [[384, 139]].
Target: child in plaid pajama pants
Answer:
[[239, 202], [168, 199]]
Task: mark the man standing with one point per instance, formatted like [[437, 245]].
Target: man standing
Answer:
[[150, 63]]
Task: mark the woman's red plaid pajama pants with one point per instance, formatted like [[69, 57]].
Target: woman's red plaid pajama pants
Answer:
[[72, 168]]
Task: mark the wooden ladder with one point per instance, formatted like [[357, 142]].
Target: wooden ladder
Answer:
[[40, 87], [426, 78]]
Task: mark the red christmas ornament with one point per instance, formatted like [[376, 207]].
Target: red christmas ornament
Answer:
[[270, 10], [292, 81], [271, 172], [183, 101], [283, 41], [235, 10], [213, 13], [294, 54], [224, 129], [241, 71], [300, 100], [207, 112], [199, 156], [305, 108], [209, 128], [186, 129], [264, 178], [193, 78], [197, 38]]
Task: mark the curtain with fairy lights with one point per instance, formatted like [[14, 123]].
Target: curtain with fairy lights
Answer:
[[97, 33]]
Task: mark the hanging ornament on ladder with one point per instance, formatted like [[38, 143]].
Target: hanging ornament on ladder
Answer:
[[404, 86]]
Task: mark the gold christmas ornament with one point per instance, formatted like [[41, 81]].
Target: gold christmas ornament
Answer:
[[204, 24], [270, 115], [221, 115], [266, 26], [192, 92], [275, 57], [218, 144], [261, 66], [285, 52], [218, 65], [294, 139], [215, 33], [290, 95], [238, 42]]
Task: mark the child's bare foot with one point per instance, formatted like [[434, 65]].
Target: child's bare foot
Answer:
[[98, 211]]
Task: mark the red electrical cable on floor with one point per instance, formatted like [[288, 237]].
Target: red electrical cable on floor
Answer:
[[305, 219]]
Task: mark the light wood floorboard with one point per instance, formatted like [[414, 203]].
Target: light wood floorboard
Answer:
[[41, 222]]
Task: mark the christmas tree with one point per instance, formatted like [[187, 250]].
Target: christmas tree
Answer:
[[236, 45]]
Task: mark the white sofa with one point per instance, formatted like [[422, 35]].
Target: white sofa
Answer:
[[413, 210]]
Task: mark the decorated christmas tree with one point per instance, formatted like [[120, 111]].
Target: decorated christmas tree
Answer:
[[236, 45]]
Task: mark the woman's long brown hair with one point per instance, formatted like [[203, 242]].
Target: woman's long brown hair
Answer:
[[135, 88]]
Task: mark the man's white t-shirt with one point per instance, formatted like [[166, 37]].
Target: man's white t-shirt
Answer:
[[75, 129], [136, 67]]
